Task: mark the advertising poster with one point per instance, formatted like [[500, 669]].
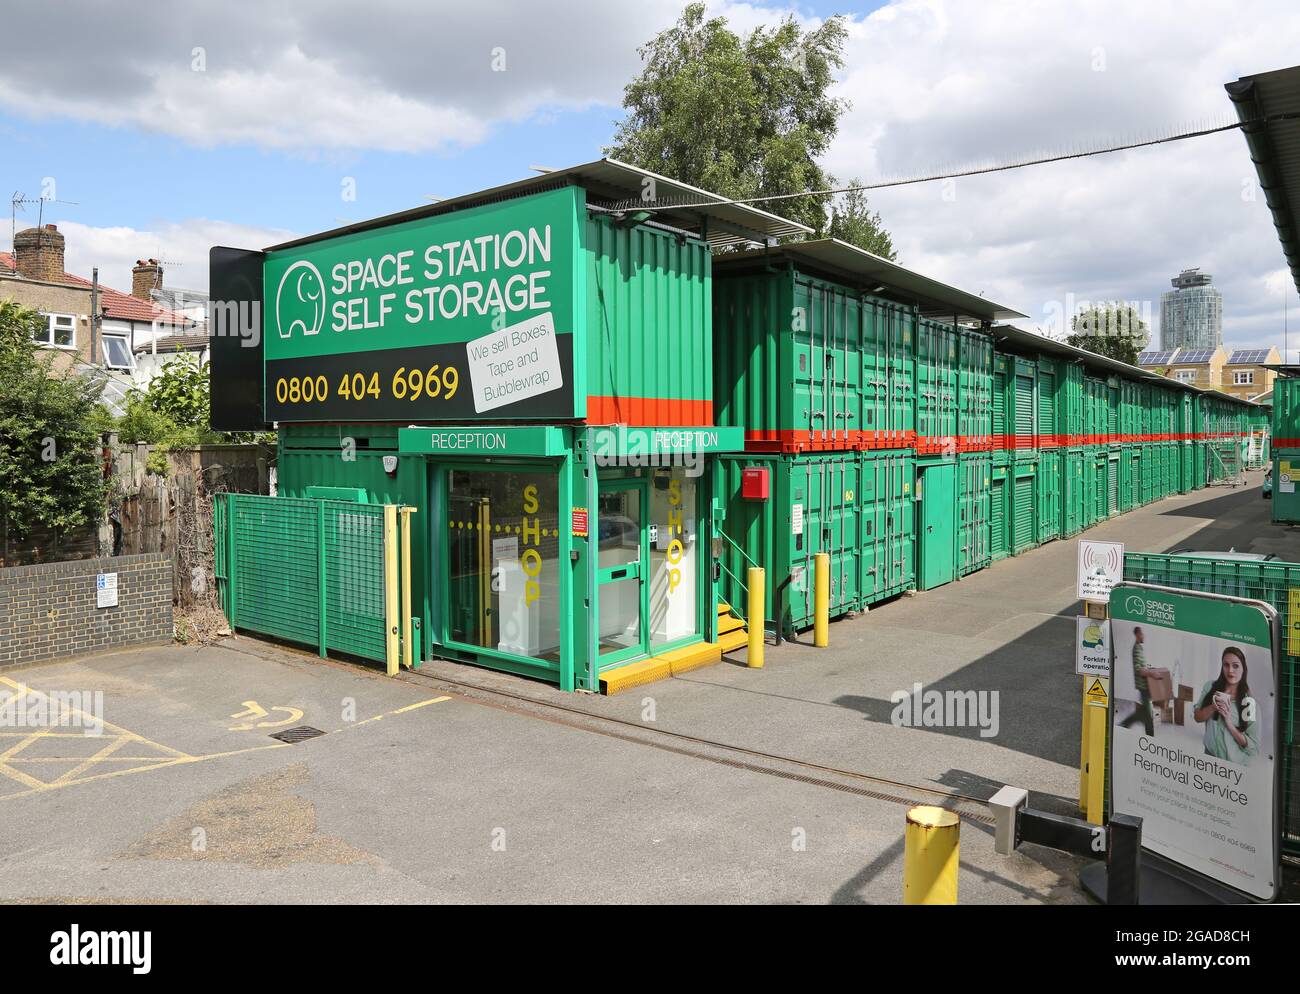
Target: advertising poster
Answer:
[[1194, 732]]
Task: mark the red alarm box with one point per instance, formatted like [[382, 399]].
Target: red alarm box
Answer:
[[753, 483]]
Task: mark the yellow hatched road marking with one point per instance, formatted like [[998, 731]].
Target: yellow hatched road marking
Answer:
[[120, 738]]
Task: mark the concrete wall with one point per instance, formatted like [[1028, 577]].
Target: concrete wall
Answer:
[[48, 611]]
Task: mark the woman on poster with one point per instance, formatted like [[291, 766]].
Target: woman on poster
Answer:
[[1228, 712]]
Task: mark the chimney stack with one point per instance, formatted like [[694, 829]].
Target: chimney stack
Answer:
[[146, 276], [38, 254]]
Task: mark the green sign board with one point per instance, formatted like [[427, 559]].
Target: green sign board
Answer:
[[463, 316], [619, 442], [1195, 731], [472, 440]]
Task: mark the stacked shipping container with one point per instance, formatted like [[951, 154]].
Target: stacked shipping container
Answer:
[[916, 450]]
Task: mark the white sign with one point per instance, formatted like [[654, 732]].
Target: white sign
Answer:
[[515, 363], [796, 523], [106, 590], [505, 548], [1101, 566], [1092, 647]]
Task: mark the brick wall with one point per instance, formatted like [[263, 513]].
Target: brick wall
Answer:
[[48, 611]]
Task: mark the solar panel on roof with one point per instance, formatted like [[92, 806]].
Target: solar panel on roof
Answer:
[[1196, 355], [1154, 358], [1243, 357]]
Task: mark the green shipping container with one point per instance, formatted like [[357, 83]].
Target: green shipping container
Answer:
[[1024, 512], [1286, 504], [975, 479], [888, 524], [938, 526], [1072, 493], [1050, 514], [999, 514], [936, 387], [813, 506], [806, 364]]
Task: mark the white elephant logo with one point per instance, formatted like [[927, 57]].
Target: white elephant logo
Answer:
[[300, 300]]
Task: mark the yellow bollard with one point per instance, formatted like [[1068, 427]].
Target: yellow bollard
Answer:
[[408, 633], [821, 599], [931, 853], [754, 618], [1083, 751], [1098, 711]]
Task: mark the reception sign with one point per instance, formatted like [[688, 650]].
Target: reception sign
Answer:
[[1194, 744], [461, 316]]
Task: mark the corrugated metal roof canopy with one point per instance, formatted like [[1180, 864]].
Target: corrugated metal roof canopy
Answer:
[[1268, 104], [1040, 343], [859, 268], [609, 182]]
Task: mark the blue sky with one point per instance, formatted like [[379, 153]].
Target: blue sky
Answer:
[[162, 159]]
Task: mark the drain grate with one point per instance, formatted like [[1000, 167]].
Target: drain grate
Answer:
[[299, 734]]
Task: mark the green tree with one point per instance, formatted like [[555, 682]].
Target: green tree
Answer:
[[1116, 330], [51, 473], [854, 222], [742, 117]]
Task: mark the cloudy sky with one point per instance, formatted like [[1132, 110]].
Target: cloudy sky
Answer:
[[175, 126]]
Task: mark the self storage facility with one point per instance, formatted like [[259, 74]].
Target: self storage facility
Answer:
[[530, 369], [597, 419]]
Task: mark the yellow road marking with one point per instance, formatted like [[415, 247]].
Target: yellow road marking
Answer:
[[121, 738], [387, 714], [40, 787], [420, 704], [89, 761], [24, 689]]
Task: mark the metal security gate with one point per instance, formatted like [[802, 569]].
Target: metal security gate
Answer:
[[324, 573]]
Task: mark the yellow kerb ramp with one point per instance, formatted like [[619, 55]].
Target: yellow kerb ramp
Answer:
[[731, 636]]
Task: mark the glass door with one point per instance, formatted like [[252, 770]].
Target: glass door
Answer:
[[621, 570]]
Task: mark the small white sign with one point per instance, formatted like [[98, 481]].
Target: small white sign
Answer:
[[515, 363], [796, 520], [106, 590], [505, 548], [1092, 647], [1101, 566]]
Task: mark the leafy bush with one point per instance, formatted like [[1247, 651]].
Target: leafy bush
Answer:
[[51, 473]]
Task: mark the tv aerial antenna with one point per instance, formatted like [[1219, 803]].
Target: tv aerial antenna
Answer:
[[18, 202]]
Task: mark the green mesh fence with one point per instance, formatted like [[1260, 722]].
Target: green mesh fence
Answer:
[[283, 562], [1268, 582]]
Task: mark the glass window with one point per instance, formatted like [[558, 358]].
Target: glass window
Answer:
[[674, 558], [504, 573], [116, 354], [60, 330], [1243, 377]]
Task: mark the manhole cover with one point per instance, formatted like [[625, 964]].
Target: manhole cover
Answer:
[[299, 734]]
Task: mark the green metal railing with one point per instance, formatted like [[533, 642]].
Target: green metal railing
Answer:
[[304, 570], [1272, 583]]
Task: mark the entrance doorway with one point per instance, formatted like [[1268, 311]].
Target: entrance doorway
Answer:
[[621, 570]]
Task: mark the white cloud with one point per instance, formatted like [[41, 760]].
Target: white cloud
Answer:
[[182, 245], [934, 84], [382, 75], [950, 84]]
